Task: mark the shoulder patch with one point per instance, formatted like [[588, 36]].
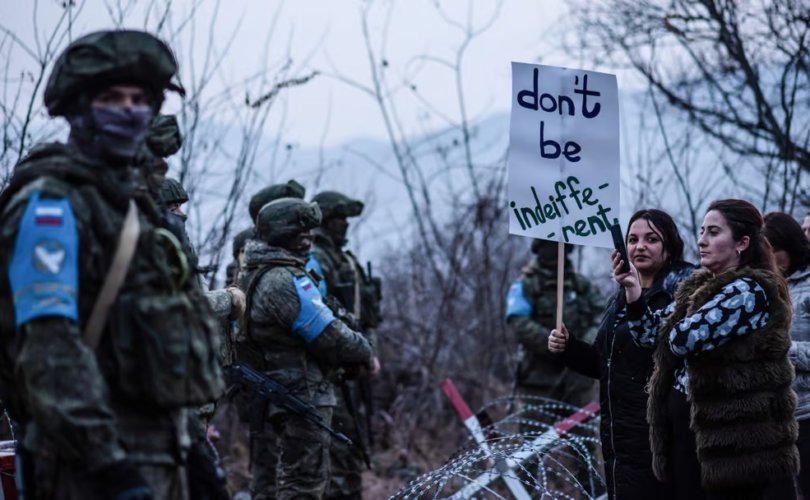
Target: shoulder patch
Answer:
[[516, 302], [314, 265], [44, 272], [313, 315]]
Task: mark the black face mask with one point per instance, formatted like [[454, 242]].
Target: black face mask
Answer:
[[299, 245]]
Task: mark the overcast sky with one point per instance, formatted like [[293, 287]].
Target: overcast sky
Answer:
[[327, 36]]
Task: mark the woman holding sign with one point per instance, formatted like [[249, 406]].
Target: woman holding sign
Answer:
[[656, 249], [720, 405]]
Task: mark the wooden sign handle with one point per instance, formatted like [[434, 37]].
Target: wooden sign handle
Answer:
[[560, 272]]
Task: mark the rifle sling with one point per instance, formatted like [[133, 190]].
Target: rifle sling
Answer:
[[124, 251]]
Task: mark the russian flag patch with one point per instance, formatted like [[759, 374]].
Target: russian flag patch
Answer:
[[49, 216]]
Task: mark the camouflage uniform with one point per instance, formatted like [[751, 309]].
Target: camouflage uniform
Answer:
[[531, 314], [345, 279], [97, 423], [296, 340], [263, 440], [206, 478]]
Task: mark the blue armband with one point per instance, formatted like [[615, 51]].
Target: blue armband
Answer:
[[43, 272], [313, 265], [516, 302], [313, 315]]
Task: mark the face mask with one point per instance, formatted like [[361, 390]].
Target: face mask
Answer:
[[176, 219], [115, 132], [122, 130]]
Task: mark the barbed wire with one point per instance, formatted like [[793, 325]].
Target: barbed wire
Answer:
[[524, 447]]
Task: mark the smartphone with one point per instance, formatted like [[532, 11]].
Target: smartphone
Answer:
[[618, 244]]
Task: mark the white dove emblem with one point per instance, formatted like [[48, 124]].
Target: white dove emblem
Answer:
[[49, 260]]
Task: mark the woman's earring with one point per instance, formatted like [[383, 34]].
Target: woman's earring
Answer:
[[739, 253]]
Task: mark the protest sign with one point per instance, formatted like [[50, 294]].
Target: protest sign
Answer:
[[563, 155]]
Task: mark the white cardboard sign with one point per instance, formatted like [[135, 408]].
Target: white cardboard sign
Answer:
[[563, 154]]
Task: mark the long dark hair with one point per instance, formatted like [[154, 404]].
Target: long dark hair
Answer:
[[666, 229], [784, 233]]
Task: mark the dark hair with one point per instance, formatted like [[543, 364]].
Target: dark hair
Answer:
[[667, 230], [745, 220], [784, 233]]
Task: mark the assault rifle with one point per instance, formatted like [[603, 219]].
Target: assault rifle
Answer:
[[246, 378]]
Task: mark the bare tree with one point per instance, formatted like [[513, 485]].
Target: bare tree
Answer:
[[223, 125], [445, 282], [737, 71], [22, 116]]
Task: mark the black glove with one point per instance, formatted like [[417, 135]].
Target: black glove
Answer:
[[206, 480], [119, 481]]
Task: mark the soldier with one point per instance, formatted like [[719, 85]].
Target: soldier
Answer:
[[228, 303], [104, 339], [264, 454], [206, 479], [345, 280], [297, 341], [531, 314]]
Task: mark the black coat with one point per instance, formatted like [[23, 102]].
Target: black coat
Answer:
[[623, 369]]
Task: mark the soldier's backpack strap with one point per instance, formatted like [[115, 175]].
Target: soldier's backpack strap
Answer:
[[251, 290], [127, 241]]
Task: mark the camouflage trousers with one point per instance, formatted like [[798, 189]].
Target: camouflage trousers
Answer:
[[347, 463], [296, 452]]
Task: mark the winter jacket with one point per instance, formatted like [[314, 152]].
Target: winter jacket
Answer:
[[623, 368], [799, 287], [742, 406]]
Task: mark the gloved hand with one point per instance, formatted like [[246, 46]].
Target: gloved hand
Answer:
[[206, 479], [119, 481]]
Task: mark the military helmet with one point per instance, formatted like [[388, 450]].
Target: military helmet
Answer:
[[173, 192], [334, 204], [240, 240], [286, 217], [108, 58], [164, 138], [291, 189]]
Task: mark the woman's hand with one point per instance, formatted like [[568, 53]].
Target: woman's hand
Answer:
[[557, 340], [629, 280]]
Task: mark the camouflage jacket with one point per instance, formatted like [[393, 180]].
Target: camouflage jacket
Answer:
[[531, 313], [345, 279], [298, 338], [60, 220]]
